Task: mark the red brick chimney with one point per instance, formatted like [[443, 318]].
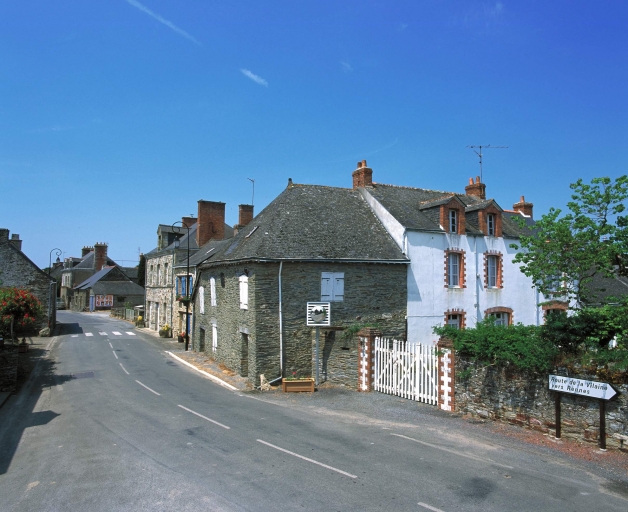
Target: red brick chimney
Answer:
[[16, 242], [477, 189], [211, 222], [523, 207], [362, 176], [100, 256], [245, 214], [85, 251], [188, 222]]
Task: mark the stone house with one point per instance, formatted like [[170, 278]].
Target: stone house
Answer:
[[17, 270], [312, 243], [174, 243], [461, 257], [108, 288]]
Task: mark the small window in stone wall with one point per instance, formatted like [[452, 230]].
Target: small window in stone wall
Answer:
[[244, 292], [212, 291], [332, 286]]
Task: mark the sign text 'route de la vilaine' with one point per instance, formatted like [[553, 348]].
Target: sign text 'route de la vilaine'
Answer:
[[588, 388]]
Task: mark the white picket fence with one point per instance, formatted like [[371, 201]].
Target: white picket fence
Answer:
[[409, 370]]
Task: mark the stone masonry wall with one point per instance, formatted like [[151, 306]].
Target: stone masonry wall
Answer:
[[159, 291], [8, 367], [523, 399], [373, 293]]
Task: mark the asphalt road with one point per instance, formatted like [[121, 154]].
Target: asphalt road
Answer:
[[110, 422]]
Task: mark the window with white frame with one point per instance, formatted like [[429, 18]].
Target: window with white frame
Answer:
[[490, 224], [201, 299], [333, 286], [244, 292], [501, 318], [492, 268], [453, 221], [214, 337], [454, 321], [453, 269], [166, 276], [212, 291], [158, 274]]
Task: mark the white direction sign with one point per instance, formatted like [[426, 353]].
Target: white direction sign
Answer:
[[589, 388]]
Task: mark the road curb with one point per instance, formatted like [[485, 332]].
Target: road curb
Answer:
[[204, 373]]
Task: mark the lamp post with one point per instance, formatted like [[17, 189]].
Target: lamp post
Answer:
[[187, 281], [58, 253]]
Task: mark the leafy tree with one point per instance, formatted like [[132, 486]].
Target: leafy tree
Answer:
[[570, 249], [19, 310], [141, 271]]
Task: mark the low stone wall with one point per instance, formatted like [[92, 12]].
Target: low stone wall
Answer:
[[8, 367], [502, 394]]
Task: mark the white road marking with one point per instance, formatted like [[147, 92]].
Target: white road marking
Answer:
[[89, 334], [117, 333], [151, 390], [205, 417], [124, 369], [130, 333], [454, 452], [115, 354], [111, 345], [208, 375], [307, 459], [75, 335], [103, 333], [429, 507]]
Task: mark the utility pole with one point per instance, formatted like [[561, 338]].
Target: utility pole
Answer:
[[480, 154]]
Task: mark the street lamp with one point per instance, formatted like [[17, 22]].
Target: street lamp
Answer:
[[177, 229], [58, 253]]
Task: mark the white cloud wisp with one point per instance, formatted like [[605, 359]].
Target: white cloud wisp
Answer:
[[168, 24], [254, 77]]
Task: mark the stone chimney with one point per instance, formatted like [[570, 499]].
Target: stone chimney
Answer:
[[523, 207], [188, 222], [100, 256], [477, 189], [211, 222], [16, 242], [362, 176], [85, 251], [245, 216]]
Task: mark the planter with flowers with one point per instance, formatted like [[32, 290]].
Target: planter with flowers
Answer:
[[184, 301], [165, 331], [296, 384], [181, 337]]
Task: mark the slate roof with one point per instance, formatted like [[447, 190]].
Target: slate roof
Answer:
[[88, 262], [406, 205], [311, 222], [208, 251], [124, 286], [89, 282], [604, 289]]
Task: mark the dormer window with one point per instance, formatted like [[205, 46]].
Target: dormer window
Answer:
[[490, 224], [453, 221]]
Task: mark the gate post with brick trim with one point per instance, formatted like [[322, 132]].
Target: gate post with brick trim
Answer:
[[366, 355], [446, 375]]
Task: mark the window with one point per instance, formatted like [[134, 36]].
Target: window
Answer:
[[182, 289], [212, 291], [214, 337], [493, 270], [455, 318], [166, 276], [158, 275], [201, 299], [453, 221], [190, 284], [244, 292], [490, 224], [453, 269], [453, 321], [332, 286], [502, 315]]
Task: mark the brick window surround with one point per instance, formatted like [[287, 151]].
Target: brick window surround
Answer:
[[554, 305], [499, 260], [444, 216], [483, 220], [461, 268], [500, 309], [462, 317]]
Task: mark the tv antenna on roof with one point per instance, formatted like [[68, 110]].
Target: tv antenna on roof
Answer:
[[480, 154], [252, 198]]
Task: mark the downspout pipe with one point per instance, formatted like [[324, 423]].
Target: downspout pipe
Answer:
[[280, 323]]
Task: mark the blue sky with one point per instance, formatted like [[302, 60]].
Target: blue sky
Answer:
[[118, 115]]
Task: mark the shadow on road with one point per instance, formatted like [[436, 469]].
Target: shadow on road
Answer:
[[69, 328], [18, 413]]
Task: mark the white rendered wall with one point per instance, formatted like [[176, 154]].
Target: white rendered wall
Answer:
[[429, 299]]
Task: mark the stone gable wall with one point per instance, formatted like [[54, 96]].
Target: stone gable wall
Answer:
[[524, 399]]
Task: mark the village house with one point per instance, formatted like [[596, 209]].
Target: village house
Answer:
[[17, 270], [163, 286], [311, 244], [108, 288]]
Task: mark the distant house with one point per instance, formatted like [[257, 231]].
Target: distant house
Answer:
[[311, 244], [108, 288], [17, 270], [173, 245]]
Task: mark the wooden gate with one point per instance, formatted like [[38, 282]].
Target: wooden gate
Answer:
[[409, 370]]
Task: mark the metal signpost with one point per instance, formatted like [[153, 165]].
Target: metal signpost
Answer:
[[589, 388], [318, 315]]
